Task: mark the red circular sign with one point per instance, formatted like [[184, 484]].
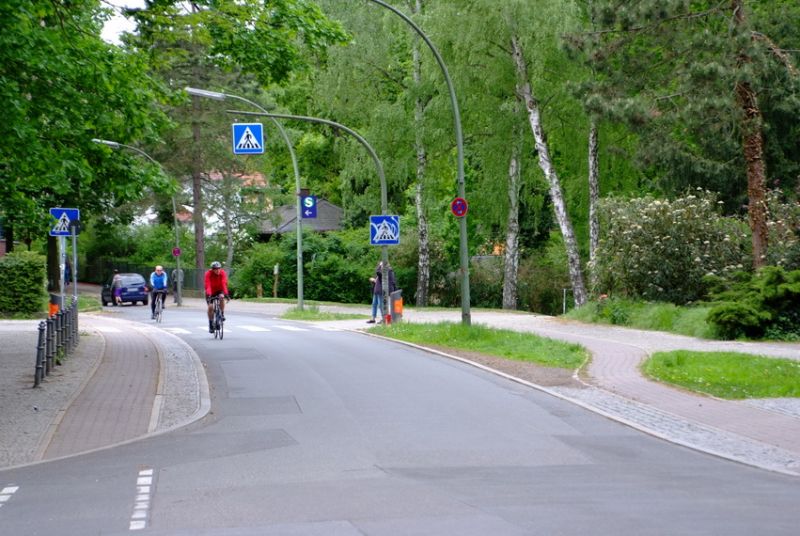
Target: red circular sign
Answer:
[[459, 207], [176, 252]]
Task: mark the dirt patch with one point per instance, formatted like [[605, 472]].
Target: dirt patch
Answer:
[[524, 370]]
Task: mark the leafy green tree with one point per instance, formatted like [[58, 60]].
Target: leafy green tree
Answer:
[[223, 45], [61, 86], [709, 87]]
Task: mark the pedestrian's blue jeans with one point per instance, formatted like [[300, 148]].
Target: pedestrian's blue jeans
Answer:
[[377, 305]]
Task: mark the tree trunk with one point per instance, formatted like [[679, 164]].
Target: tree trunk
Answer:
[[753, 146], [534, 118], [511, 255], [594, 198], [197, 199], [424, 257]]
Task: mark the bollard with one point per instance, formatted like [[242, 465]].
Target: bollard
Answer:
[[51, 343], [67, 332], [39, 374], [76, 337], [59, 336]]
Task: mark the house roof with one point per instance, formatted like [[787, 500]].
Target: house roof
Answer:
[[284, 219]]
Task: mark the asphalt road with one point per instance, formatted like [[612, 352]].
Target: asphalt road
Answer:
[[334, 433]]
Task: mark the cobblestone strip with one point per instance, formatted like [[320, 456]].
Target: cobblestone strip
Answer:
[[683, 432]]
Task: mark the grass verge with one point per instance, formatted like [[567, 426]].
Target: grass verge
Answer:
[[496, 342], [313, 313], [690, 321], [728, 375]]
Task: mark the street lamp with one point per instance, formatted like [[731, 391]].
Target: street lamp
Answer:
[[462, 221], [222, 96], [378, 167], [178, 272]]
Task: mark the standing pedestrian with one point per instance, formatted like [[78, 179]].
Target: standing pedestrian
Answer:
[[377, 290]]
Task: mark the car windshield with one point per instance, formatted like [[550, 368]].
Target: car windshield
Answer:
[[132, 280]]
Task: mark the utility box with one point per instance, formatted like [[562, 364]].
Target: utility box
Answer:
[[396, 305]]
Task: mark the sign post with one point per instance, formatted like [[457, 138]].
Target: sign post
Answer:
[[67, 224]]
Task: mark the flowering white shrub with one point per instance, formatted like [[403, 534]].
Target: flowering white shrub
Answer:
[[784, 231], [661, 250]]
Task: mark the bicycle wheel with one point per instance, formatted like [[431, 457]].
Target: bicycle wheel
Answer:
[[159, 307], [219, 324]]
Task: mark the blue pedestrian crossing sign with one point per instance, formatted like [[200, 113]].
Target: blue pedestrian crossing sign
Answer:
[[67, 220], [248, 138], [309, 206], [384, 230]]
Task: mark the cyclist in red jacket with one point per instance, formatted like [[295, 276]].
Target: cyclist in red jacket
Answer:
[[216, 283]]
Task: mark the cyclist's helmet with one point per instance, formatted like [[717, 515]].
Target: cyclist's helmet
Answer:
[[216, 264]]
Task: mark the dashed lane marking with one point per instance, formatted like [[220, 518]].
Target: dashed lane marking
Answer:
[[254, 328], [144, 494]]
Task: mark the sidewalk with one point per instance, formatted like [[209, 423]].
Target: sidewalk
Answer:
[[125, 382]]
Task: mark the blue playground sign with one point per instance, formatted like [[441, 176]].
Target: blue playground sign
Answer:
[[248, 138], [384, 230]]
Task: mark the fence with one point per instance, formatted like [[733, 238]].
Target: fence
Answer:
[[101, 270], [58, 337]]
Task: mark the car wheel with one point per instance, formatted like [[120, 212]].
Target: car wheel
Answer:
[[144, 301], [105, 303]]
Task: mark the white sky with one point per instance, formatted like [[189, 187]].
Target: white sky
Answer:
[[118, 23]]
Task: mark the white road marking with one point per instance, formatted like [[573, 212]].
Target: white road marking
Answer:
[[254, 328], [177, 331], [6, 493], [144, 491], [291, 328]]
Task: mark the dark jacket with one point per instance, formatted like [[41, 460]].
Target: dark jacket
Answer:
[[378, 286]]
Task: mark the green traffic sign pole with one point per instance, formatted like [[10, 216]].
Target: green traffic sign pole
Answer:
[[216, 95], [462, 221], [378, 167]]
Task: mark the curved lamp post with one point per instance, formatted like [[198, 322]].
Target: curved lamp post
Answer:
[[378, 167], [462, 223], [117, 145], [222, 96]]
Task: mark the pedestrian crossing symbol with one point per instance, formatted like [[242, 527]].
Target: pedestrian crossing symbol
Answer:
[[384, 230], [248, 138], [67, 220]]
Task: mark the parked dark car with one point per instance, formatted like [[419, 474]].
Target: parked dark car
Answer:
[[133, 290]]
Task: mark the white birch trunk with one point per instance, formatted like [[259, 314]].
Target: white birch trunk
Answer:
[[511, 256], [594, 199], [534, 118], [424, 258]]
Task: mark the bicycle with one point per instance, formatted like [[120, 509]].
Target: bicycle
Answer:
[[158, 308], [219, 319]]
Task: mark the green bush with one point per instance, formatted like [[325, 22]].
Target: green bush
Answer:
[[24, 276], [764, 305], [660, 250]]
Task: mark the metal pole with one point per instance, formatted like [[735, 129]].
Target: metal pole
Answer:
[[117, 145], [62, 255], [178, 272], [216, 95], [75, 264], [462, 223], [378, 167]]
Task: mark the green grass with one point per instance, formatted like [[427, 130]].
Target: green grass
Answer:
[[490, 341], [728, 375], [313, 313], [690, 321]]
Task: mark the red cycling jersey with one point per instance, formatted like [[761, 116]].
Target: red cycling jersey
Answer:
[[216, 283]]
